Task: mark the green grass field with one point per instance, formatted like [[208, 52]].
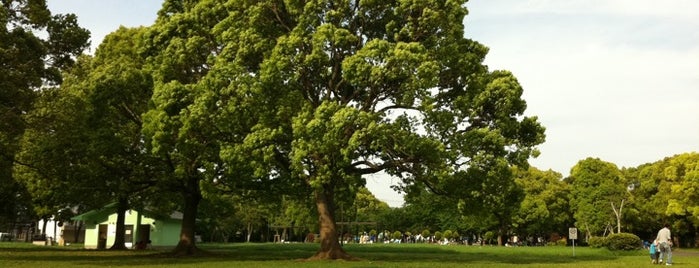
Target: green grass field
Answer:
[[377, 255]]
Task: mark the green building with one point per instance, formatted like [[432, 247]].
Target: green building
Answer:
[[100, 228]]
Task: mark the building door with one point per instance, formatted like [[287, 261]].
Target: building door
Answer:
[[143, 239], [102, 237]]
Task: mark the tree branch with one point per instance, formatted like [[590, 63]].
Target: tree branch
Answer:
[[390, 107]]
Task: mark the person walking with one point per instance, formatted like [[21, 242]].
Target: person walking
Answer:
[[654, 252], [665, 244]]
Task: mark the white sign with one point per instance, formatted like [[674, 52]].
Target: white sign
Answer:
[[572, 233]]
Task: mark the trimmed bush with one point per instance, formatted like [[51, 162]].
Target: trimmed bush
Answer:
[[425, 233], [448, 234], [623, 241], [397, 235], [438, 235]]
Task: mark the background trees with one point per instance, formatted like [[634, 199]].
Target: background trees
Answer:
[[86, 135], [29, 62], [545, 208]]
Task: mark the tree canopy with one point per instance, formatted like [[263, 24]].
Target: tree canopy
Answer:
[[596, 186], [30, 62], [318, 94]]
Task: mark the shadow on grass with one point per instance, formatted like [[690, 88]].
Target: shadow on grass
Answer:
[[233, 253], [475, 254]]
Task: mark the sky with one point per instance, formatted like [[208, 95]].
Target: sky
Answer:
[[611, 79]]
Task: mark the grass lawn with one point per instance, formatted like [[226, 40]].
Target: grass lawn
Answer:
[[376, 255]]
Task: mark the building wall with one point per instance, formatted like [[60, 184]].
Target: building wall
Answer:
[[163, 233], [55, 232], [91, 235]]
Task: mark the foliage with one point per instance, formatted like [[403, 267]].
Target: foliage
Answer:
[[617, 241], [448, 234], [425, 210], [425, 233], [545, 207], [489, 236], [179, 126], [684, 193], [595, 185], [397, 235], [438, 235], [623, 241], [92, 127], [331, 91], [597, 242], [659, 196], [35, 46], [52, 159]]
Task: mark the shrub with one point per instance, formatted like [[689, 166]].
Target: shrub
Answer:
[[489, 235], [397, 235], [448, 234], [623, 241], [597, 242], [438, 235]]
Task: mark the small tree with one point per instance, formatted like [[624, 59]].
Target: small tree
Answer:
[[397, 235], [372, 232], [448, 234], [489, 235], [426, 233], [438, 235]]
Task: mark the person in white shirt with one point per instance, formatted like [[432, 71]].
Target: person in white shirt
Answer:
[[665, 244]]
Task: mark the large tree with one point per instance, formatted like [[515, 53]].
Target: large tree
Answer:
[[29, 62], [180, 126], [597, 188], [91, 129], [314, 95], [118, 89], [354, 88]]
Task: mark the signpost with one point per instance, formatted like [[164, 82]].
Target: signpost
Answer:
[[572, 235]]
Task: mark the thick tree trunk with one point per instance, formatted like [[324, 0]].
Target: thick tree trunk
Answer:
[[249, 233], [501, 235], [77, 231], [192, 196], [44, 221], [330, 248], [120, 233]]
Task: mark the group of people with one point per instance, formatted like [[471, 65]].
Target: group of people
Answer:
[[662, 247]]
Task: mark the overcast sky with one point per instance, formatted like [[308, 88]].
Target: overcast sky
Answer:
[[612, 79]]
